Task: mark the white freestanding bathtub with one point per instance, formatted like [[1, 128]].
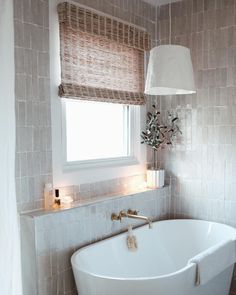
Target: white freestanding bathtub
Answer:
[[158, 267]]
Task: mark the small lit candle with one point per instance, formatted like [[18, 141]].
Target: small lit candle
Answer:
[[66, 201]]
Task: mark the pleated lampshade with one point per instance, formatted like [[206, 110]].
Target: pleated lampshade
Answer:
[[170, 71]]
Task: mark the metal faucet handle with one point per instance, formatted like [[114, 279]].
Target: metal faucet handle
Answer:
[[115, 217], [132, 212]]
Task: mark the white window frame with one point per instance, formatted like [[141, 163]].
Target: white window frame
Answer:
[[132, 159]]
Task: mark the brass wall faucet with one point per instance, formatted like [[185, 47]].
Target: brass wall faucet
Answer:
[[130, 214]]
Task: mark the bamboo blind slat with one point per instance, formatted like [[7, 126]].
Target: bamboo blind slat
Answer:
[[102, 59], [99, 94]]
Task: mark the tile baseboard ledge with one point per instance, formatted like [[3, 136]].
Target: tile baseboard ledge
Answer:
[[95, 200]]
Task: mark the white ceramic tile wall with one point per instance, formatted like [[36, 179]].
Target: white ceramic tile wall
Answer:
[[49, 239], [32, 102], [90, 191], [202, 164]]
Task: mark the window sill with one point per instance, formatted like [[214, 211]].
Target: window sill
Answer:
[[121, 161]]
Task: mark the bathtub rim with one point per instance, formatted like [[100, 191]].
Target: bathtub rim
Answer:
[[187, 267], [183, 269]]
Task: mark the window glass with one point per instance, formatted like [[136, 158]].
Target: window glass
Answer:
[[96, 130]]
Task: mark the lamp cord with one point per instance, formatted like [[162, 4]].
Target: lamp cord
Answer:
[[170, 23]]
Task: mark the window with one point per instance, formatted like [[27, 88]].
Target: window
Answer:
[[97, 134], [72, 170], [101, 86], [96, 130]]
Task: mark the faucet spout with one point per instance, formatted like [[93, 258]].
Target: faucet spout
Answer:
[[141, 217], [133, 214]]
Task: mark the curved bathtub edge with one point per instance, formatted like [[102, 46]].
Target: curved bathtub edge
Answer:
[[187, 267]]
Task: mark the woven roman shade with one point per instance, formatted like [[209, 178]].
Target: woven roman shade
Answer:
[[102, 59]]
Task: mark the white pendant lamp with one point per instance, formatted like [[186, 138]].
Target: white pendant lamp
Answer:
[[170, 70]]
